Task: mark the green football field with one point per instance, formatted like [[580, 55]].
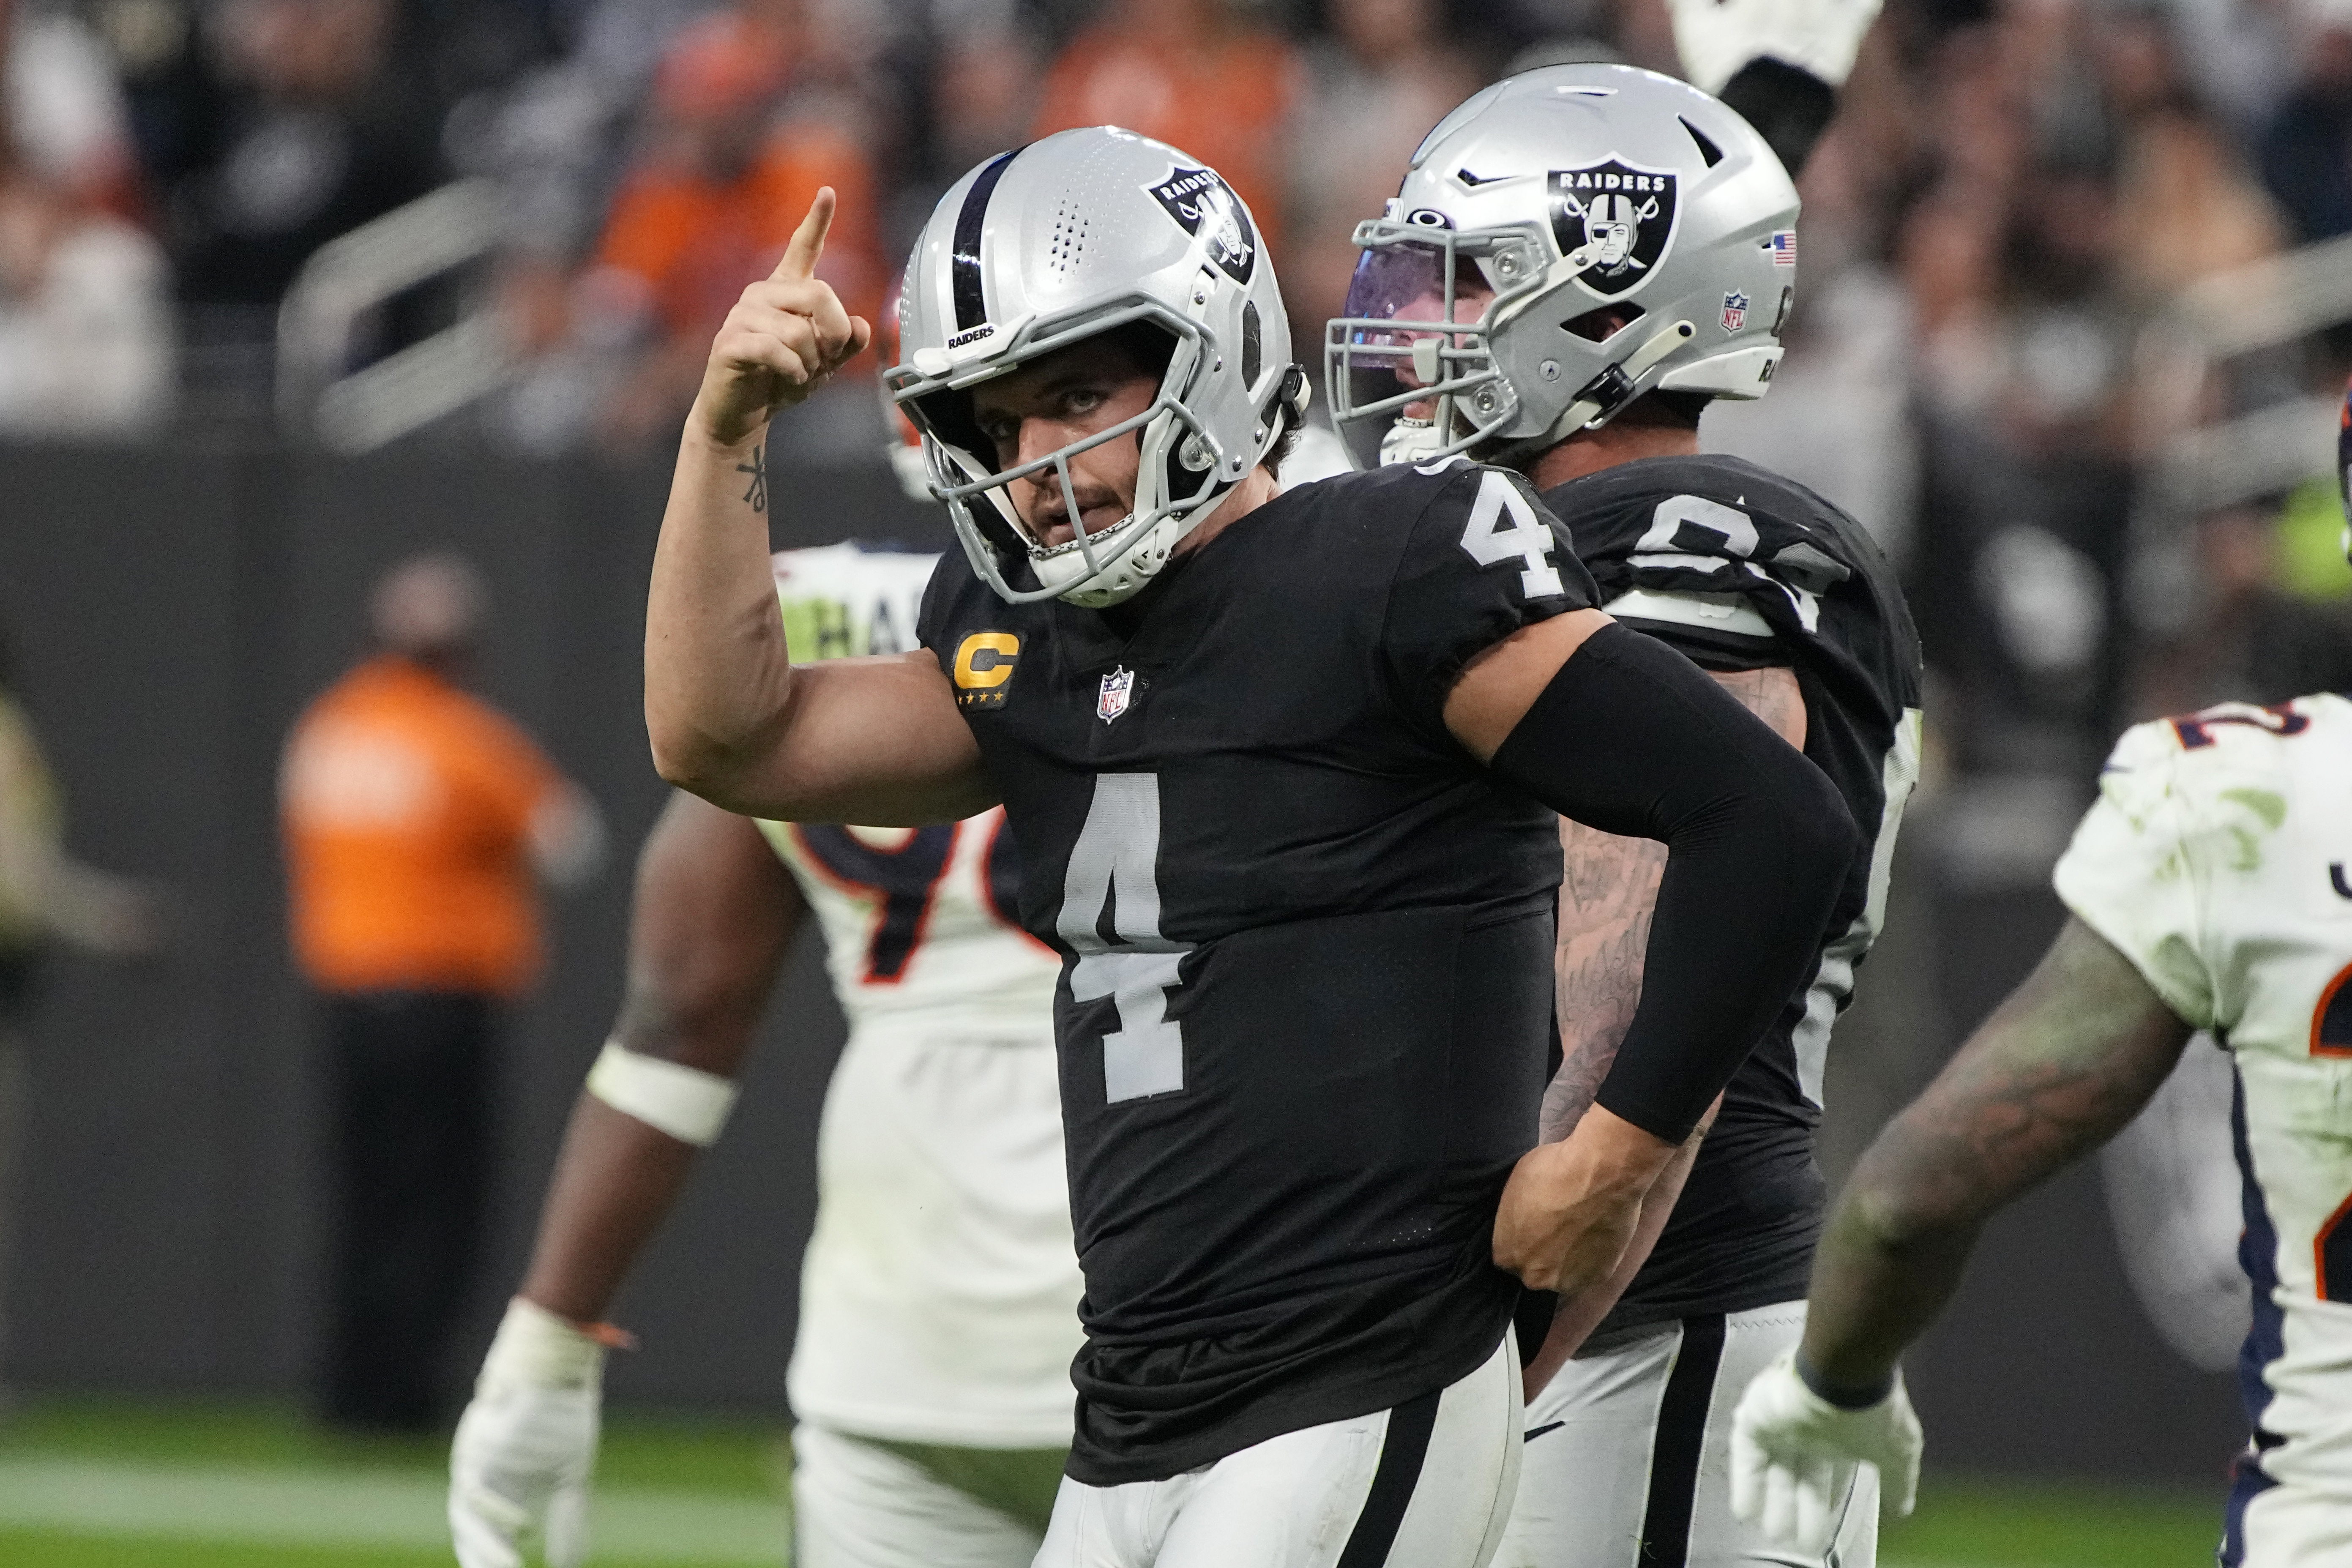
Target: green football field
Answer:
[[90, 1484]]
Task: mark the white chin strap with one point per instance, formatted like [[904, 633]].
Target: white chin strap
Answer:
[[1123, 579], [1411, 441]]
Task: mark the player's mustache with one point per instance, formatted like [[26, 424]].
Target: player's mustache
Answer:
[[1052, 509]]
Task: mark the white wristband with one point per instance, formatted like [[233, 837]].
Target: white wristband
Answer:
[[688, 1103], [536, 1348]]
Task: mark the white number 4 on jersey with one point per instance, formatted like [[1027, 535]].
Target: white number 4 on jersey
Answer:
[[1504, 527]]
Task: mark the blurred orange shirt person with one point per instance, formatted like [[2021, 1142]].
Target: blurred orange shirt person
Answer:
[[408, 817], [711, 205], [1184, 72], [416, 816]]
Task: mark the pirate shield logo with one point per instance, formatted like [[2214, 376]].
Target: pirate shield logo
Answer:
[[1627, 213], [1196, 197]]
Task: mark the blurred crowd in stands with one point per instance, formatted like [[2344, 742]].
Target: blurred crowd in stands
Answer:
[[2014, 195]]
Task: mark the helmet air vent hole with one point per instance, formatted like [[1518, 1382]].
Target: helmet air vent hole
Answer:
[[1069, 237], [1603, 323], [1251, 350], [1706, 148]]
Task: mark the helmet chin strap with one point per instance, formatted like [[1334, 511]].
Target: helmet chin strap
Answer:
[[1411, 441], [1599, 399]]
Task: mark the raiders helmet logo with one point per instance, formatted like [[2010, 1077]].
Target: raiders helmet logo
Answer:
[[1627, 213], [1197, 197]]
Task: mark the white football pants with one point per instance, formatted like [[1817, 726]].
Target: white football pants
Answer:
[[2290, 1527], [858, 1505], [1425, 1485], [1628, 1460]]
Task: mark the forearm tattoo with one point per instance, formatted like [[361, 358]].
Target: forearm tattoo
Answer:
[[756, 492], [1607, 892], [1605, 899], [2058, 1071]]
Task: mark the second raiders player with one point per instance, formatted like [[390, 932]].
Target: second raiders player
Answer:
[[1278, 765], [1610, 248], [939, 1295]]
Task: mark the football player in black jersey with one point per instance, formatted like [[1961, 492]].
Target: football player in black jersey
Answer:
[[1278, 765], [1579, 259]]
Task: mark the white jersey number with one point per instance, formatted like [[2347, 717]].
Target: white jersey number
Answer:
[[1661, 546], [1488, 539], [1114, 871]]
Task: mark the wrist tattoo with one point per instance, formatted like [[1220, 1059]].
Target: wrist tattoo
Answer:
[[756, 492]]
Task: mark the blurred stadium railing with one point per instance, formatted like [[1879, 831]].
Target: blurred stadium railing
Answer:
[[348, 410]]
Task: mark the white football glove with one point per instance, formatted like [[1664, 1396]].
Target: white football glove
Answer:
[[527, 1443], [1715, 38], [1794, 1456]]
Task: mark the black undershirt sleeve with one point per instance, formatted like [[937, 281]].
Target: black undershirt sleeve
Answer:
[[1788, 106], [1632, 738]]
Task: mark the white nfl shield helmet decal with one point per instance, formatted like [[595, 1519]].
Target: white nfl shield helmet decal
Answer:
[[1117, 687], [1735, 310]]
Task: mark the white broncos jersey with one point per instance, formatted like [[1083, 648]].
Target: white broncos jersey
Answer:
[[2219, 859], [938, 1298]]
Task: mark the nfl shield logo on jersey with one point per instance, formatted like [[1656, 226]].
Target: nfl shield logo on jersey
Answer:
[[1117, 687], [1735, 310]]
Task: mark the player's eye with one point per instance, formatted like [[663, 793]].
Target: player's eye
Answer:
[[1081, 400]]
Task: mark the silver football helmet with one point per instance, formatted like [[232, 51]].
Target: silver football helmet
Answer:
[[1565, 241], [1084, 233]]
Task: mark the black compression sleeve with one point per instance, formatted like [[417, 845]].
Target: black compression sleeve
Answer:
[[1631, 739], [1788, 106]]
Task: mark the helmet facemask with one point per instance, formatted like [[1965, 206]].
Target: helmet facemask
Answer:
[[1427, 387], [1410, 360], [1182, 471], [1636, 235]]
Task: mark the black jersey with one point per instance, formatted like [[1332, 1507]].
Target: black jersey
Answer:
[[1742, 1235], [1304, 1014]]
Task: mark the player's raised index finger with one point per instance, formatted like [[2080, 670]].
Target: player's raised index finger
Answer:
[[808, 240]]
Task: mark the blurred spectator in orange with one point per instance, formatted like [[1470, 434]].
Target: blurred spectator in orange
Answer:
[[47, 897], [320, 135], [1374, 88], [709, 206], [86, 335], [414, 817], [1194, 74]]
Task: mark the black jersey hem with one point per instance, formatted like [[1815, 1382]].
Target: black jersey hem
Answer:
[[1292, 1409], [1711, 648], [1782, 1285]]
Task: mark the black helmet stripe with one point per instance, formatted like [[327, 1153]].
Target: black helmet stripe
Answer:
[[970, 305]]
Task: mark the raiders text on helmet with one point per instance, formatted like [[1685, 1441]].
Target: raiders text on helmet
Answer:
[[1079, 234], [1565, 241]]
